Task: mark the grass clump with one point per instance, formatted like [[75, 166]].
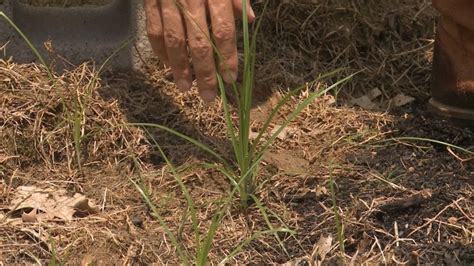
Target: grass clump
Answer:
[[242, 170]]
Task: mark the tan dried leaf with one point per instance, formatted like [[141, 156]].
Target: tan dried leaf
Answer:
[[401, 100], [453, 220], [321, 249], [286, 162], [52, 202], [30, 217]]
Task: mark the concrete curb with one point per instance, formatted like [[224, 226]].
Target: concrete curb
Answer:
[[77, 34]]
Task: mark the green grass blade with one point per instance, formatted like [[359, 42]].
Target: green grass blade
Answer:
[[263, 211], [298, 110], [182, 136], [282, 102], [228, 120], [217, 218], [432, 141], [184, 189], [114, 53], [77, 137], [146, 197], [255, 236], [54, 258]]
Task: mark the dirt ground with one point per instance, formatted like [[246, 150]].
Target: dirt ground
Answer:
[[400, 201]]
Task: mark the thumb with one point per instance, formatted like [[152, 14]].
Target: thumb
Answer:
[[238, 10]]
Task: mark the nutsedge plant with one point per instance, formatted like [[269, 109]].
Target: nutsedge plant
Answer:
[[247, 154], [242, 170]]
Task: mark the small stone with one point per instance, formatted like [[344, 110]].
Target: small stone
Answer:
[[137, 221]]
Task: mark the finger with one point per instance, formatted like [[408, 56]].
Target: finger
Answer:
[[223, 31], [458, 10], [238, 10], [201, 48], [175, 42], [154, 27]]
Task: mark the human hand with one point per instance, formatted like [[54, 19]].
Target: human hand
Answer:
[[176, 26]]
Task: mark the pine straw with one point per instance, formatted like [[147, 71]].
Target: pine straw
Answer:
[[398, 201]]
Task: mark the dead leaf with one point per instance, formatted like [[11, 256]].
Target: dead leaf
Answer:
[[84, 208], [453, 220], [321, 191], [51, 202], [401, 100], [286, 162], [88, 260], [321, 249], [29, 217], [284, 134], [366, 101], [253, 135], [329, 99]]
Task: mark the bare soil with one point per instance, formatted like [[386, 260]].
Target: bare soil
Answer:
[[399, 201]]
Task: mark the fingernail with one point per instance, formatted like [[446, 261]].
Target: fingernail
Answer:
[[183, 85], [252, 14], [207, 95]]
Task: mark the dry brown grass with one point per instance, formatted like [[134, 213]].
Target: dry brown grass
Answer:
[[398, 201]]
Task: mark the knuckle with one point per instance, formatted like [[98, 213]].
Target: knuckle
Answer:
[[207, 81], [173, 39], [201, 48], [225, 32]]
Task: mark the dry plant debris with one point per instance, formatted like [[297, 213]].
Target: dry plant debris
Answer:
[[48, 204], [399, 201]]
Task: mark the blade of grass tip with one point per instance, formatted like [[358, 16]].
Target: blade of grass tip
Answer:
[[53, 261], [432, 141], [255, 236], [146, 197], [263, 211], [283, 101], [299, 109], [182, 136], [182, 186], [247, 80], [29, 43], [114, 53]]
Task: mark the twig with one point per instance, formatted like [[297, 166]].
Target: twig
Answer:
[[435, 217], [15, 208]]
